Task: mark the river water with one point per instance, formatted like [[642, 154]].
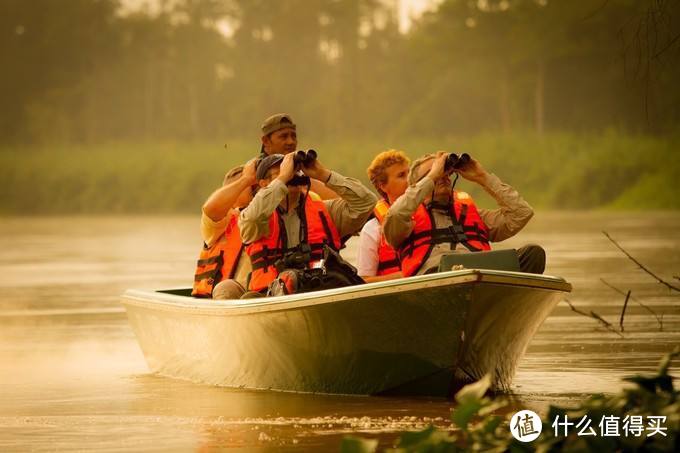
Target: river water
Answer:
[[72, 376]]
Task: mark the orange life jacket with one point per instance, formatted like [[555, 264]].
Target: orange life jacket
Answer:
[[468, 229], [218, 262], [316, 229], [388, 260]]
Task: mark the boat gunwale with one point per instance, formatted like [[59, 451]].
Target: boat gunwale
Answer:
[[172, 302]]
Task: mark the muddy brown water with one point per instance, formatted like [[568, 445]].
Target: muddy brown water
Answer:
[[72, 376]]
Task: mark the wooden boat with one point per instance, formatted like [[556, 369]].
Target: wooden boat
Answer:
[[423, 335]]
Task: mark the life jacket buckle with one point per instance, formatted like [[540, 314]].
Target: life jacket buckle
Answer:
[[458, 233]]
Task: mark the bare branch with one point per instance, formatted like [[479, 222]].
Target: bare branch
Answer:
[[623, 311], [647, 37], [659, 279], [595, 316], [659, 319], [668, 45], [596, 11]]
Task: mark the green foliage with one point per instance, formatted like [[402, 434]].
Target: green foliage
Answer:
[[553, 171], [351, 444], [430, 440], [650, 396]]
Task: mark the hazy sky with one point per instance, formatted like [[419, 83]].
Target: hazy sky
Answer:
[[413, 8], [408, 9]]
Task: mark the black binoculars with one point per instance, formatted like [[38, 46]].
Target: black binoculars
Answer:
[[306, 158], [299, 179], [454, 161]]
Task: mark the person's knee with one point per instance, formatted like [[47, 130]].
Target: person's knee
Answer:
[[228, 289], [532, 259]]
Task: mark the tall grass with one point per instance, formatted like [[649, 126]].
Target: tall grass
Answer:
[[554, 171]]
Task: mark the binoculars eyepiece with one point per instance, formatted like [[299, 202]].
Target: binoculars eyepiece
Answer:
[[306, 158], [454, 161]]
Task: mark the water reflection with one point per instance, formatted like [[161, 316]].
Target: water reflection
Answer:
[[73, 376]]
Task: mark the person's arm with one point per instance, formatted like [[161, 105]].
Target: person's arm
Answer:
[[211, 230], [398, 223], [223, 199], [323, 191], [253, 222], [349, 213], [353, 208], [367, 256], [513, 212]]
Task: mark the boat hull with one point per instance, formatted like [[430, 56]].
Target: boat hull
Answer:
[[423, 335]]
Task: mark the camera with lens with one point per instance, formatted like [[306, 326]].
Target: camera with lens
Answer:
[[297, 258], [305, 158], [332, 271], [456, 162]]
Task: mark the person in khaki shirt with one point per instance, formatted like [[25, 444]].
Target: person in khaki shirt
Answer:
[[276, 193], [429, 182]]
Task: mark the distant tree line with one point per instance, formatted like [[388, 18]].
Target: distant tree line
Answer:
[[87, 71]]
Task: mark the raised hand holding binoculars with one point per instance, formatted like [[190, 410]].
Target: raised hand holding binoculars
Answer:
[[466, 166], [307, 167], [462, 164]]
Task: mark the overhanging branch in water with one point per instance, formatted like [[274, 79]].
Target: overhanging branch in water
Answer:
[[623, 311], [659, 279], [659, 319], [595, 316]]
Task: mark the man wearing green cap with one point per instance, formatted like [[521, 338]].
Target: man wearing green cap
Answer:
[[279, 136]]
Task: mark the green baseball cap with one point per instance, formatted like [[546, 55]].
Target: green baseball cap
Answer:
[[277, 122]]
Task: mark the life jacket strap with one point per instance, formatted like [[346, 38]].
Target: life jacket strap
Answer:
[[205, 275], [382, 265], [266, 253], [326, 228], [209, 260], [212, 273]]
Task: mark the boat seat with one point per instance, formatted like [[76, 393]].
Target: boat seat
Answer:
[[498, 260]]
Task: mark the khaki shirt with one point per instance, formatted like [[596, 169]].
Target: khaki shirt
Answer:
[[211, 232], [509, 218], [349, 213]]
